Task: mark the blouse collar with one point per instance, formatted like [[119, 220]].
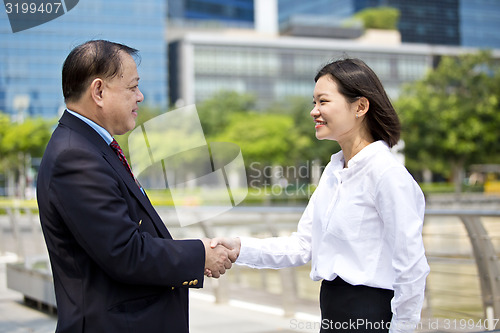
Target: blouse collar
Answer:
[[361, 158]]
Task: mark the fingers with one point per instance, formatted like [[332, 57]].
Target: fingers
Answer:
[[233, 244], [228, 264], [224, 241], [215, 241], [221, 253], [216, 260], [230, 243]]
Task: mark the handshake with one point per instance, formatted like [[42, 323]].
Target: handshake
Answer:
[[220, 254]]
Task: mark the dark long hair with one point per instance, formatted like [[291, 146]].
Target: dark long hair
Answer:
[[354, 80], [88, 61]]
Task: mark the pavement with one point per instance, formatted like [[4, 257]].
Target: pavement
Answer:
[[205, 316], [236, 316], [246, 314], [248, 311]]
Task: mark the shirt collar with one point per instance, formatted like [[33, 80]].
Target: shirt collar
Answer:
[[99, 129], [368, 151], [337, 160]]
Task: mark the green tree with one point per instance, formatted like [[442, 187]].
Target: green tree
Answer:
[[19, 143], [262, 137], [451, 117], [216, 111], [4, 127], [282, 134], [379, 18]]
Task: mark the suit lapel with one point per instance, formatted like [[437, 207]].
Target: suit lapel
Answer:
[[110, 156], [113, 160]]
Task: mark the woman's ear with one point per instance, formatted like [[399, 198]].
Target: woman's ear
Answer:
[[363, 106], [96, 91]]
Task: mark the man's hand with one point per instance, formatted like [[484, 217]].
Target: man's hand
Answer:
[[232, 244], [216, 259]]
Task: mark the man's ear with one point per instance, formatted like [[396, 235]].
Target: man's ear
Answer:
[[96, 91], [363, 106]]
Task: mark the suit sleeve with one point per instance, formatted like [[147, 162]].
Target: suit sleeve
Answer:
[[88, 194]]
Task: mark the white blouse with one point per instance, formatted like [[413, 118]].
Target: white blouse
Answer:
[[364, 224]]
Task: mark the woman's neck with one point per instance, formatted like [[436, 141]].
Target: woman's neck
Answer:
[[351, 148]]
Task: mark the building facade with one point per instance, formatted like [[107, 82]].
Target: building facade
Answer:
[[471, 23], [31, 60], [480, 23], [226, 12], [428, 21], [274, 68]]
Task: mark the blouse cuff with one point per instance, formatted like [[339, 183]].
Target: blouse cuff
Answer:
[[249, 251]]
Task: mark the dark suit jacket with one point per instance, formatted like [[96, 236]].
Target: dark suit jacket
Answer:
[[115, 265]]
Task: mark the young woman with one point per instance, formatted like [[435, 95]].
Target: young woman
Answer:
[[362, 227]]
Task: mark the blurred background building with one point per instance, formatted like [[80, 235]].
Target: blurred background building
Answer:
[[274, 68], [191, 49], [239, 13], [274, 64], [31, 60], [471, 23]]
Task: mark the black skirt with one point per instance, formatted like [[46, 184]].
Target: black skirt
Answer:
[[348, 308]]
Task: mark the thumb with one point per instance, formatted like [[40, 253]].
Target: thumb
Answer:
[[214, 242], [233, 255]]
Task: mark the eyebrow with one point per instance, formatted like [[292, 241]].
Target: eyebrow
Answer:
[[320, 95], [134, 80]]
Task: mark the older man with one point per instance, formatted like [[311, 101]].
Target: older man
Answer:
[[115, 266]]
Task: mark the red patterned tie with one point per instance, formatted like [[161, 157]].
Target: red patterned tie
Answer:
[[121, 156]]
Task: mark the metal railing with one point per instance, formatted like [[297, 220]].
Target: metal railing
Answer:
[[21, 222], [485, 255]]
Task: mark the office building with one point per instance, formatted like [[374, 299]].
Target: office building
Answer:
[[480, 23], [428, 21], [218, 12], [31, 60], [274, 68], [471, 23], [422, 21]]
